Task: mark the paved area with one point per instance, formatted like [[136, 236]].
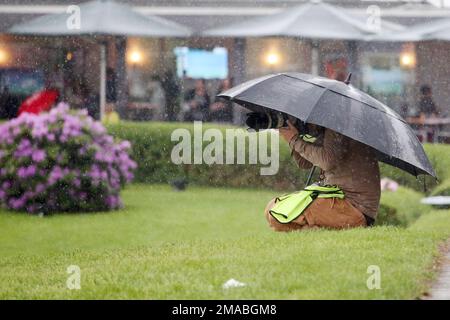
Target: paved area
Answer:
[[441, 288]]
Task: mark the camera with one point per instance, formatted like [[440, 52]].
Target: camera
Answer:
[[273, 120]]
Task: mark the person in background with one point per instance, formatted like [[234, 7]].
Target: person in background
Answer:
[[222, 110], [77, 95], [110, 116], [9, 104], [156, 97], [427, 107], [196, 106], [92, 103], [111, 95], [171, 89]]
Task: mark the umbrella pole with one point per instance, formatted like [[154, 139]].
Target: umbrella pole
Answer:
[[238, 56], [121, 77], [102, 80], [314, 58], [352, 60]]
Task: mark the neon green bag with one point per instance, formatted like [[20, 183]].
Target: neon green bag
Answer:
[[289, 207]]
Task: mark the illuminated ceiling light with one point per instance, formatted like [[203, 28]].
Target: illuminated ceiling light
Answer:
[[407, 60], [3, 56], [135, 57], [272, 59]]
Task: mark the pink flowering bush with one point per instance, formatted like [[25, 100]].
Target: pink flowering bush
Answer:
[[61, 161]]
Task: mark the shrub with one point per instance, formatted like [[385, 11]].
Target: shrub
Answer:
[[439, 155], [387, 215], [407, 203], [61, 161], [443, 189]]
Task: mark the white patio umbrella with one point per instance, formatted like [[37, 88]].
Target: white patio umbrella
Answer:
[[314, 20], [101, 18], [434, 30]]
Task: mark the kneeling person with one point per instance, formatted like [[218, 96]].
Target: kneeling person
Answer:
[[347, 166]]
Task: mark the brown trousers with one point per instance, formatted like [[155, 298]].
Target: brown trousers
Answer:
[[332, 213]]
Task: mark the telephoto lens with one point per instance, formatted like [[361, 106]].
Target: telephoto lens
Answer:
[[269, 120]]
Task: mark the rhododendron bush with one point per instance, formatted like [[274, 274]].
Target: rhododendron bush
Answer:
[[61, 161]]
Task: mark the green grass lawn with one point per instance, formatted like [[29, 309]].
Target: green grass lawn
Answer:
[[185, 245]]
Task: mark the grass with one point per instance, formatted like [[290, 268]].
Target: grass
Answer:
[[185, 245], [153, 213]]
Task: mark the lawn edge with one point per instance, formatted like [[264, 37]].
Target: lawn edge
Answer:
[[435, 268]]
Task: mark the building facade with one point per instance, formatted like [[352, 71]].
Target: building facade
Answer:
[[392, 72]]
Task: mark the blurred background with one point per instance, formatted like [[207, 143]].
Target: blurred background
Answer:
[[163, 78]]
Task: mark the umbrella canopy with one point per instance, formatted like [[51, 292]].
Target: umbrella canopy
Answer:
[[339, 107], [39, 102], [435, 30], [313, 20], [103, 17]]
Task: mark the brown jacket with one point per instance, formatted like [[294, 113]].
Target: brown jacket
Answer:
[[346, 163]]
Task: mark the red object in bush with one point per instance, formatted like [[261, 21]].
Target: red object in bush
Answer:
[[39, 102]]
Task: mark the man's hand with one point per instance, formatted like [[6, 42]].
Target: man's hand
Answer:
[[288, 132]]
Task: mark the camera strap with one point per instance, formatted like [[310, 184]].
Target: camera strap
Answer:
[[308, 138]]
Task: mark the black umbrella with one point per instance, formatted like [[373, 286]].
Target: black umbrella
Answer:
[[340, 107]]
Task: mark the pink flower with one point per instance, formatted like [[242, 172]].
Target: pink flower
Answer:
[[38, 155], [40, 187], [26, 172]]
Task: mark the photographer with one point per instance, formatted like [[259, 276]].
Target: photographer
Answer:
[[350, 166]]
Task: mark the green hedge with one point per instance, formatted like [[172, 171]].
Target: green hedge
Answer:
[[407, 207], [152, 149], [443, 189], [387, 215], [439, 155]]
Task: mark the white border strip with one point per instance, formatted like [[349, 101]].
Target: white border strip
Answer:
[[221, 11], [185, 11]]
